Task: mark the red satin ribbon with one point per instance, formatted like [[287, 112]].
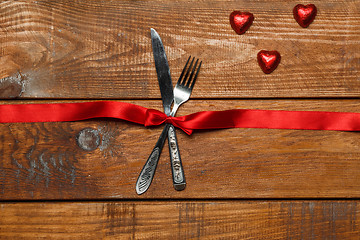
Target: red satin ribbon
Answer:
[[238, 118]]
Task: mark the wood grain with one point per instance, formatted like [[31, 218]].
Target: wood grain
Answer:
[[102, 49], [182, 220], [101, 159]]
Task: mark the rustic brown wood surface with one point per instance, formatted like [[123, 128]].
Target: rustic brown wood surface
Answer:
[[50, 161], [102, 49], [242, 183], [182, 220]]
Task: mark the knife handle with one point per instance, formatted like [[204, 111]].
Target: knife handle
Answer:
[[176, 164], [147, 173]]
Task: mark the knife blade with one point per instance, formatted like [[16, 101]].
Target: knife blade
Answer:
[[163, 71], [167, 95]]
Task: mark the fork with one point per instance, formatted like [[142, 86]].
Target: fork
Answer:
[[182, 92]]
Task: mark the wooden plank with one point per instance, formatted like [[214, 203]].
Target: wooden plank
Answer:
[[101, 159], [181, 220], [102, 49]]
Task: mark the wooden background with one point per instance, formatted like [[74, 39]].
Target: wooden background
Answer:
[[76, 180]]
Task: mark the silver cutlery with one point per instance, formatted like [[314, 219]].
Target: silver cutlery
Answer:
[[182, 91], [167, 95]]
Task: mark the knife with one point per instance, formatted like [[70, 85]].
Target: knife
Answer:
[[166, 89]]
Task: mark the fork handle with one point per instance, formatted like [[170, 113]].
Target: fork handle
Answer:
[[176, 164], [147, 173]]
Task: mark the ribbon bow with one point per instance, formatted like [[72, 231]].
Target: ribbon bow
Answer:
[[154, 117]]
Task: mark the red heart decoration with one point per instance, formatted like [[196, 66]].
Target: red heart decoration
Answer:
[[268, 60], [305, 15], [241, 21]]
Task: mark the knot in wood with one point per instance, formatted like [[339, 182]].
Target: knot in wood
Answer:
[[88, 139]]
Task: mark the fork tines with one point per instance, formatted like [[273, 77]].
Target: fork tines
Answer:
[[185, 81]]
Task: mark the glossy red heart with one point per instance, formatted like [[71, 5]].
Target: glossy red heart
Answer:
[[268, 60], [241, 21], [305, 15]]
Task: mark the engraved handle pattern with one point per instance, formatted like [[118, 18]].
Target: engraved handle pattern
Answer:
[[176, 164], [147, 173]]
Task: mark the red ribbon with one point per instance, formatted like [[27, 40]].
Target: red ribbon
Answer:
[[238, 118]]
